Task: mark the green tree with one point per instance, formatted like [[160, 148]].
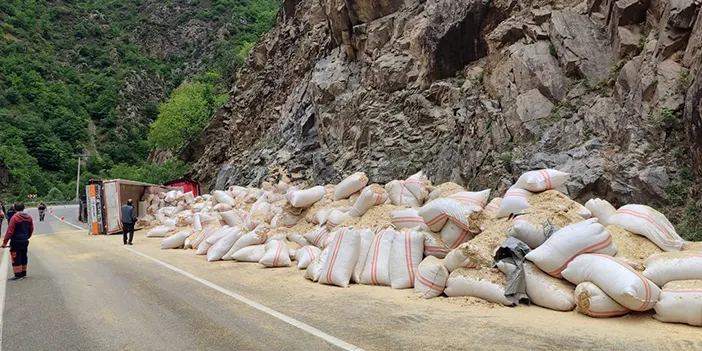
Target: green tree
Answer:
[[55, 195], [182, 118]]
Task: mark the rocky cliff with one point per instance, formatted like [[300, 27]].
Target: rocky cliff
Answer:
[[470, 91]]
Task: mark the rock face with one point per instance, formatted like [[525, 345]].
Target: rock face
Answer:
[[468, 91]]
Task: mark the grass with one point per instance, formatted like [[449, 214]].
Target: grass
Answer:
[[683, 81], [682, 211], [668, 119]]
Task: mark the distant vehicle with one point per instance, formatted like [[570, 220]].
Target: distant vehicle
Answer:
[[105, 199]]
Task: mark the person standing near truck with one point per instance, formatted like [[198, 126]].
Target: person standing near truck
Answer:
[[19, 231], [10, 213], [42, 210], [129, 218], [2, 214]]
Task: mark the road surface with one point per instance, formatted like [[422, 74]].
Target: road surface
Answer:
[[93, 293]]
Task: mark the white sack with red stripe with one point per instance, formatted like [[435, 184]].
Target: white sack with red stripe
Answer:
[[197, 224], [305, 198], [564, 245], [476, 200], [376, 270], [467, 282], [668, 266], [298, 239], [367, 236], [233, 218], [343, 254], [515, 201], [318, 236], [458, 258], [222, 246], [411, 192], [372, 195], [223, 198], [335, 218], [252, 253], [492, 207], [430, 278], [406, 254], [232, 250], [350, 185], [680, 302], [437, 212], [211, 239], [616, 278], [542, 180], [408, 218], [527, 232], [601, 209], [544, 290], [644, 220], [305, 255], [314, 269], [590, 300], [277, 254], [453, 235], [434, 246], [158, 232], [249, 239], [176, 240], [221, 208]]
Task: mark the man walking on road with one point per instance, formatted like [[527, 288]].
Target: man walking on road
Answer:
[[129, 217], [18, 233], [42, 211]]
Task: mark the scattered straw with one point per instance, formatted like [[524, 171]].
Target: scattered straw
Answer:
[[632, 248]]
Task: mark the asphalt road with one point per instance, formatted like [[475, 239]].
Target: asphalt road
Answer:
[[93, 293]]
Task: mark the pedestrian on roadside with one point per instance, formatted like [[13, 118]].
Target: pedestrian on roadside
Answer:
[[11, 212], [18, 233], [129, 218], [2, 214], [42, 210]]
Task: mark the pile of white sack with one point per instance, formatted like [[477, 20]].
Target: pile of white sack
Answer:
[[440, 241]]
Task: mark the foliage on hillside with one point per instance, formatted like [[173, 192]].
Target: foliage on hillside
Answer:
[[75, 80]]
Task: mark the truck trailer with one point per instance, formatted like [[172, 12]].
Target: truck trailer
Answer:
[[105, 199]]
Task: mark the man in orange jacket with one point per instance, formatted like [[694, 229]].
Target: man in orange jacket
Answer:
[[18, 233]]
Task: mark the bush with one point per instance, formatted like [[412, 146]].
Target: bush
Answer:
[[55, 195]]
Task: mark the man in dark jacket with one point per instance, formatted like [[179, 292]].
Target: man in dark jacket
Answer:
[[129, 218], [11, 212], [18, 233]]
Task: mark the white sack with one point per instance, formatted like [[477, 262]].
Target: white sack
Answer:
[[406, 254], [305, 255], [222, 207], [453, 235], [233, 218], [466, 282], [430, 279], [350, 185], [372, 195], [591, 301], [222, 246], [248, 239], [408, 218], [252, 253], [376, 270], [298, 239], [158, 232], [616, 278], [680, 303], [306, 198], [541, 180], [314, 269], [318, 236], [668, 266], [601, 209], [544, 290], [515, 201], [564, 245], [492, 207], [527, 232], [434, 246], [176, 240], [338, 267], [336, 217], [366, 236], [646, 221], [223, 198], [437, 212], [277, 254], [476, 200], [458, 258]]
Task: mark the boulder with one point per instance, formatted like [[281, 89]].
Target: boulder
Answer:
[[506, 34], [654, 180], [675, 26], [582, 49], [627, 79], [694, 43], [668, 91], [534, 67], [626, 43], [522, 119]]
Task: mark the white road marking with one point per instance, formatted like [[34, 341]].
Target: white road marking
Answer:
[[294, 322], [4, 267], [67, 222]]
